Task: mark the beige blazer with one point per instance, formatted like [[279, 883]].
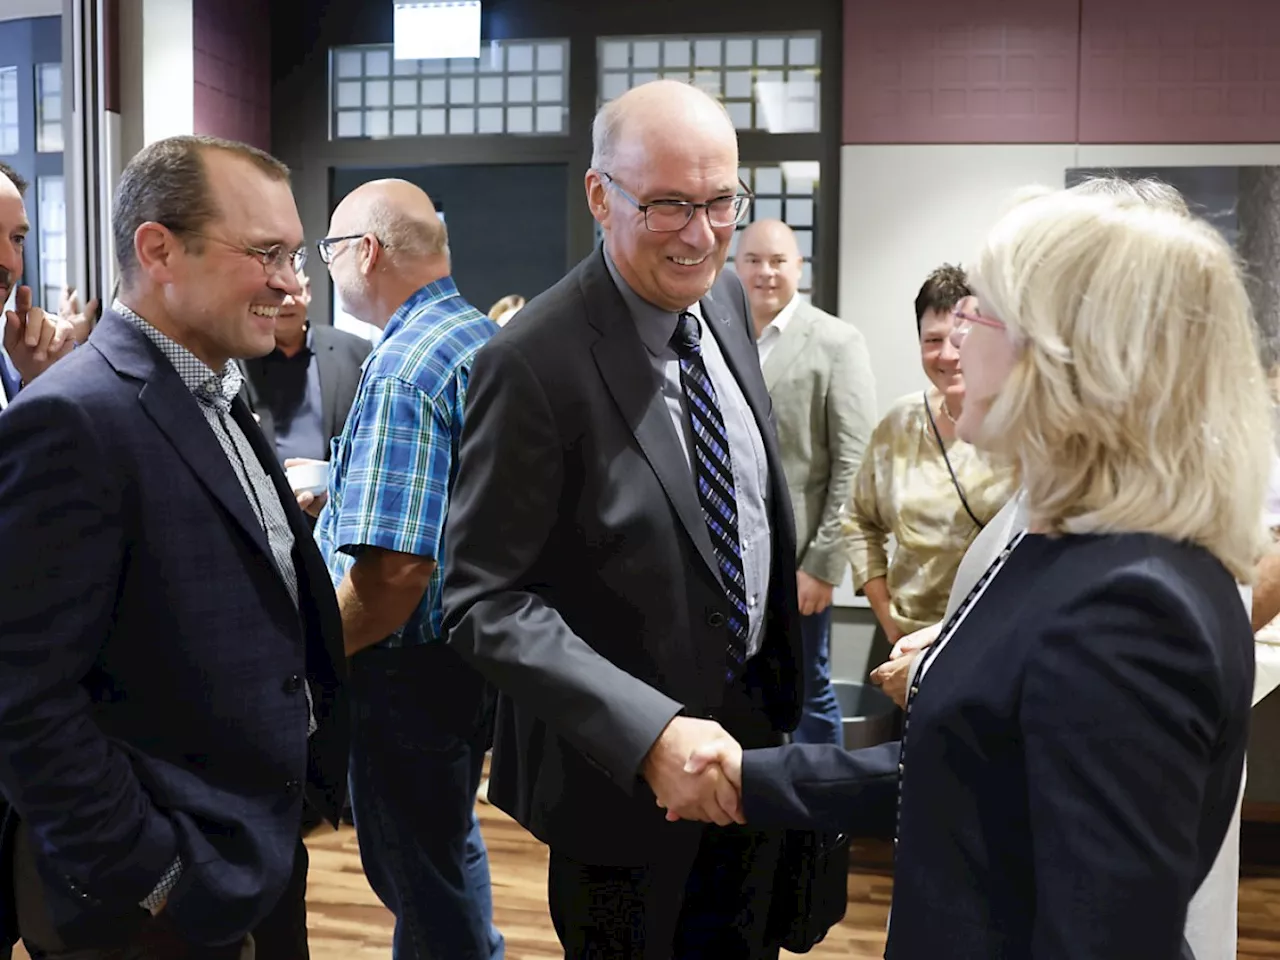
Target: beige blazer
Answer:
[[824, 402]]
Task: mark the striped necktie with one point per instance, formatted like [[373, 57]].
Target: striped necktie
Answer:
[[713, 471]]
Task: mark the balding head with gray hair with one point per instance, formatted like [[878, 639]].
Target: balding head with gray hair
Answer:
[[397, 244]]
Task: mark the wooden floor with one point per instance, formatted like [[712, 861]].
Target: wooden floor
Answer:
[[348, 923]]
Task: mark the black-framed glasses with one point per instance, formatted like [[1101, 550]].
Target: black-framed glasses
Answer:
[[327, 245], [274, 258], [668, 216]]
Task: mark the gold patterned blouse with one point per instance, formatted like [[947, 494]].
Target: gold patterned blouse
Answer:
[[904, 490]]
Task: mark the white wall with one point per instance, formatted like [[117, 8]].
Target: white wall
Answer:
[[906, 209]]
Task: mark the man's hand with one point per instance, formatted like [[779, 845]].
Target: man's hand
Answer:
[[34, 340], [727, 754], [82, 321], [706, 795], [814, 594], [892, 675], [311, 503]]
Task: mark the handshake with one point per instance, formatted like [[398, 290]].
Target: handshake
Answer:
[[695, 770]]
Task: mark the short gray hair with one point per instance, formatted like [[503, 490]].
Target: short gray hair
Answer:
[[410, 235], [608, 122]]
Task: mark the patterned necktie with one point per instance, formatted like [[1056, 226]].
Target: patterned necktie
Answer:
[[713, 470]]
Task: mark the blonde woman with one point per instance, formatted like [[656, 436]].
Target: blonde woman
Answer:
[[1076, 736]]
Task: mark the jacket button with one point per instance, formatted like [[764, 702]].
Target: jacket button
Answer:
[[293, 684], [715, 619], [292, 788]]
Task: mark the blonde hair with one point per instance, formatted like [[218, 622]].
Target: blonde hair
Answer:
[[1138, 402]]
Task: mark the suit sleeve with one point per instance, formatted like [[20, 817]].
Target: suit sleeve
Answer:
[[1121, 709], [821, 787], [62, 557], [505, 503], [851, 416]]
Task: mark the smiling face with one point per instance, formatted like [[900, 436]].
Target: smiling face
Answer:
[[687, 152], [221, 300], [770, 266], [939, 356], [14, 228]]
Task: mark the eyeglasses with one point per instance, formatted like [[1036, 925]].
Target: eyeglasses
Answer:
[[327, 245], [967, 320], [668, 216], [274, 258]]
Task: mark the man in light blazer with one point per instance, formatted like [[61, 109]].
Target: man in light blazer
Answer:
[[824, 402]]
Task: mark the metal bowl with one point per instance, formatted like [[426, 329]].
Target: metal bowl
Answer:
[[870, 717]]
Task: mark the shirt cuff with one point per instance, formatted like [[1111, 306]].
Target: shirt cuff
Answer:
[[167, 882]]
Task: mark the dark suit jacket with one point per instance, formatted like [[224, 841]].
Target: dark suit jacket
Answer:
[[339, 355], [579, 575], [1071, 761], [151, 658]]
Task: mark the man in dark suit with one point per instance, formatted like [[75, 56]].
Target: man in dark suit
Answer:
[[302, 391], [620, 551], [170, 649]]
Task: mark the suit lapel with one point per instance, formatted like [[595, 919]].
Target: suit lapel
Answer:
[[170, 405], [794, 340], [624, 366]]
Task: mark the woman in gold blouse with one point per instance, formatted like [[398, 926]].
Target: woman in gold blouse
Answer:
[[919, 484]]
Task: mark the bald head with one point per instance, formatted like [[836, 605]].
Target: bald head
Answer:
[[398, 213], [653, 114], [770, 266], [395, 245]]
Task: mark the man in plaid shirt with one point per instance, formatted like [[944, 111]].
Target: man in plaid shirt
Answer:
[[420, 720]]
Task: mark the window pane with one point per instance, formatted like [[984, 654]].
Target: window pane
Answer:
[[755, 98], [379, 96], [769, 181], [9, 110], [550, 119], [490, 120], [549, 88], [349, 94], [377, 93], [462, 120], [406, 93], [550, 58]]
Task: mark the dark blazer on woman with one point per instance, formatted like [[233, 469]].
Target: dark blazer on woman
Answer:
[[1071, 760]]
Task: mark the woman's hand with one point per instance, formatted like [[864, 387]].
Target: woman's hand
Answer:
[[892, 676]]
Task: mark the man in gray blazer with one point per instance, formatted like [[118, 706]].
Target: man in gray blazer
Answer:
[[819, 376]]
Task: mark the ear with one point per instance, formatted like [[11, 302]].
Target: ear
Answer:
[[157, 250], [368, 253], [597, 196]]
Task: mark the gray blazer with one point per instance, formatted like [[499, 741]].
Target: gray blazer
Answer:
[[824, 401]]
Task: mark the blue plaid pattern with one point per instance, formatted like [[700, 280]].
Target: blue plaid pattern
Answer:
[[391, 470], [713, 470]]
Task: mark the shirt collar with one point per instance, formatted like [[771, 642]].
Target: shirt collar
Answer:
[[655, 325], [418, 302], [780, 322], [210, 387]]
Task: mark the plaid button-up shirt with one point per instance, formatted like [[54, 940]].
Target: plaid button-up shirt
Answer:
[[391, 469]]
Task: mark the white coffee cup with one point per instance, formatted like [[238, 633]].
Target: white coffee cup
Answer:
[[311, 477]]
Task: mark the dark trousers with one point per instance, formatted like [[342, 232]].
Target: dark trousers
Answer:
[[420, 726], [821, 721], [715, 906], [144, 937]]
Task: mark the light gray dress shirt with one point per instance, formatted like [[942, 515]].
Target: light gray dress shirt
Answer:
[[746, 447]]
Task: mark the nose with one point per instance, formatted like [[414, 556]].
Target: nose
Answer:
[[286, 280], [698, 232]]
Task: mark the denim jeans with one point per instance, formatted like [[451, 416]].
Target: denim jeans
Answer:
[[820, 722], [420, 726]]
